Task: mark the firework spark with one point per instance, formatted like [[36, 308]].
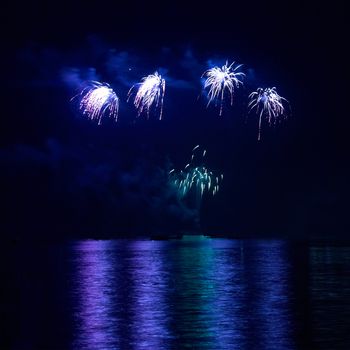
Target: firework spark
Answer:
[[151, 90], [267, 102], [198, 178], [220, 80], [97, 100]]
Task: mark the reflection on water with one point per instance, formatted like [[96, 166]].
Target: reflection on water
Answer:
[[95, 292], [207, 293], [196, 293], [273, 294], [330, 296], [193, 293], [149, 327]]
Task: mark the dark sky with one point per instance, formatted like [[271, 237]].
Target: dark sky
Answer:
[[65, 176]]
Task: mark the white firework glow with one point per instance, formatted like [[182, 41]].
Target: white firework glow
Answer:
[[151, 90], [267, 102], [97, 100], [219, 80]]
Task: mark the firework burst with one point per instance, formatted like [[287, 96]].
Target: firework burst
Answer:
[[98, 99], [150, 91], [267, 103], [221, 80], [197, 178]]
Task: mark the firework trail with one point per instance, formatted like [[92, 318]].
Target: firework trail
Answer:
[[267, 102], [98, 99], [151, 90], [194, 177], [220, 80]]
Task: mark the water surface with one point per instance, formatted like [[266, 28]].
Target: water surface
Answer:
[[196, 292]]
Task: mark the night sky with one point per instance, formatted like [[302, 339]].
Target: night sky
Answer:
[[64, 176]]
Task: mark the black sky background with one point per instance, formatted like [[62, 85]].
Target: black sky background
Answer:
[[64, 176]]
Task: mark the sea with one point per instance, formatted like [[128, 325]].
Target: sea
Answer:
[[194, 292]]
